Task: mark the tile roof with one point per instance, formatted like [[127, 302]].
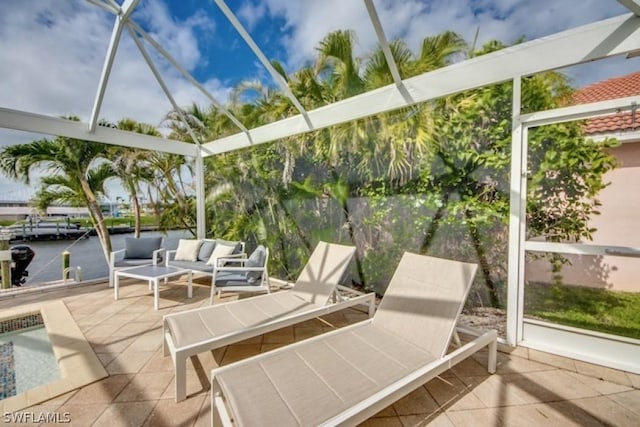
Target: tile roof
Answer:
[[618, 87]]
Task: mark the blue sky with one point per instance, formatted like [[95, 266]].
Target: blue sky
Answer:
[[51, 52]]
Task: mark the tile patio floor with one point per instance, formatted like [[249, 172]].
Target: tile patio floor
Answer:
[[127, 335]]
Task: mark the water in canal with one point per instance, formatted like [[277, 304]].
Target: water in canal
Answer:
[[86, 253]]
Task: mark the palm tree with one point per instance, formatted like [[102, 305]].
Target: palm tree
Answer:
[[345, 156], [178, 207], [74, 170], [131, 166], [338, 66], [399, 137]]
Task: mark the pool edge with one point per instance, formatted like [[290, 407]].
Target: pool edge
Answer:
[[76, 359]]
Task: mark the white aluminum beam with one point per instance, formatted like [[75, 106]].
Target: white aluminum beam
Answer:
[[280, 81], [580, 112], [187, 75], [162, 84], [632, 5], [613, 351], [623, 136], [113, 3], [582, 249], [106, 6], [47, 125], [517, 214], [200, 196], [201, 218], [615, 36], [125, 11], [384, 45]]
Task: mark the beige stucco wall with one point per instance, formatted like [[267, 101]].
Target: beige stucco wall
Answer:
[[617, 225]]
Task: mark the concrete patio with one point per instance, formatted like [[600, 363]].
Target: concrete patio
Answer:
[[529, 389]]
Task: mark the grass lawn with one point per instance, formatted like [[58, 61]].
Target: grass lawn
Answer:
[[598, 310], [116, 221]]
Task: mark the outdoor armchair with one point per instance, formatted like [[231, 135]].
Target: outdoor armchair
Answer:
[[137, 252], [241, 274], [348, 375]]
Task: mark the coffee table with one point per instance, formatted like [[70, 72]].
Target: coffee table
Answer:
[[153, 274]]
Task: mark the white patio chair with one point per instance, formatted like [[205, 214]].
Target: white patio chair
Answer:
[[137, 252], [242, 274]]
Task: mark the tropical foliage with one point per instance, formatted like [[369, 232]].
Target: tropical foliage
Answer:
[[431, 178], [75, 173]]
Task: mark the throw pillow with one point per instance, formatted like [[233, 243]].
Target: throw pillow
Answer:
[[188, 250], [220, 251], [257, 259], [205, 250], [237, 246], [141, 248]]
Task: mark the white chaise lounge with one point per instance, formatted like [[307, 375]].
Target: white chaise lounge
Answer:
[[346, 376], [315, 293]]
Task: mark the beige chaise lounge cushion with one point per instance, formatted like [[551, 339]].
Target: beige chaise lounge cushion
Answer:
[[197, 326], [314, 288]]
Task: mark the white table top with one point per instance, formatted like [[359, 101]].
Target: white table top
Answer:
[[151, 271]]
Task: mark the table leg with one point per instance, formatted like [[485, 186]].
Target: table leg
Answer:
[[189, 289], [116, 285], [156, 293]]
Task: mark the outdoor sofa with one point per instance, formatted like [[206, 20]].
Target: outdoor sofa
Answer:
[[195, 254]]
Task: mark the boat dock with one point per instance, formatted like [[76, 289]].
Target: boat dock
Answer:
[[47, 231]]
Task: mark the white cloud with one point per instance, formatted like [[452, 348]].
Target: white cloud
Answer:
[[47, 56], [52, 55], [307, 22], [250, 14], [177, 37], [52, 52]]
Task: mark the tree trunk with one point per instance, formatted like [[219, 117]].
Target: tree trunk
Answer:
[[484, 263], [136, 214], [155, 204], [293, 221], [352, 237], [347, 217], [433, 227], [98, 220]]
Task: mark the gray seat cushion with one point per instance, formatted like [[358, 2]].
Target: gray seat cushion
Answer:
[[227, 278], [131, 262], [141, 248]]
